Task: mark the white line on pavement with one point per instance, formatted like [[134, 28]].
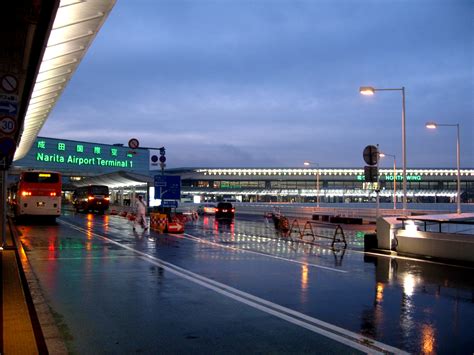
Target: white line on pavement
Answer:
[[87, 257], [200, 240], [333, 332]]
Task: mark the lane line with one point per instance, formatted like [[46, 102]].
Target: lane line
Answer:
[[88, 257], [200, 240], [315, 325]]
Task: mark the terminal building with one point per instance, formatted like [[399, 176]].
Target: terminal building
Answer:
[[334, 185], [128, 171]]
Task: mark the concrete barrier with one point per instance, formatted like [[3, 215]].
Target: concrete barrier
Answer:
[[440, 245]]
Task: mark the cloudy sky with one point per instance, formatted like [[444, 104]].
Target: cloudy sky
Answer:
[[271, 83]]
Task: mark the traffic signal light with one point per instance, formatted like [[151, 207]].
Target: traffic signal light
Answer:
[[162, 158], [370, 173]]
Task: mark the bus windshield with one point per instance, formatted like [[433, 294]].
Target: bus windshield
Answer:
[[99, 190], [35, 177]]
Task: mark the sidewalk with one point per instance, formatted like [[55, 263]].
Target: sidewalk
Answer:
[[27, 325]]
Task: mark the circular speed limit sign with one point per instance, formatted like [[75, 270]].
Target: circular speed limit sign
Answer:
[[133, 143], [7, 125]]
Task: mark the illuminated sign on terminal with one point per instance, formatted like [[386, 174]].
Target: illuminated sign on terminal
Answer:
[[72, 159], [97, 159], [390, 177]]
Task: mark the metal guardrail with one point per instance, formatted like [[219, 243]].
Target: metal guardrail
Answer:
[[441, 226], [294, 230], [337, 237]]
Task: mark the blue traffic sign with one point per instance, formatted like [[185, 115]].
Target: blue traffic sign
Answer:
[[8, 107], [167, 187], [172, 204], [7, 147]]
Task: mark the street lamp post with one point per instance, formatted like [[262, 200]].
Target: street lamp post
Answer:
[[378, 184], [382, 155], [308, 163], [368, 90], [434, 125]]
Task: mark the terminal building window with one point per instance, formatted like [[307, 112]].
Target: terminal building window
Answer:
[[306, 184], [278, 184], [203, 184], [252, 184], [451, 185], [425, 185], [230, 184], [335, 184], [291, 185]]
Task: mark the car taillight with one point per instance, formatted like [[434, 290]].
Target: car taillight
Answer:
[[107, 198], [52, 194], [233, 210], [90, 197], [216, 210], [26, 193]]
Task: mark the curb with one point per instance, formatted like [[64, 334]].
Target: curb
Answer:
[[52, 337]]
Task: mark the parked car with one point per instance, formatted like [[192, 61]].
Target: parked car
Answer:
[[225, 210], [207, 208]]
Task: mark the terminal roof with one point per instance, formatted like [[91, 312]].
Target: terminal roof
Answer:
[[76, 23], [116, 180]]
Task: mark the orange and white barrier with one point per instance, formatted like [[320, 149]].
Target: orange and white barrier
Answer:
[[158, 222]]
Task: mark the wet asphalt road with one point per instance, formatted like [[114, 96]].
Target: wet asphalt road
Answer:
[[234, 288]]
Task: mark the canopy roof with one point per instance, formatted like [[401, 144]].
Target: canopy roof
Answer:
[[116, 180], [74, 29]]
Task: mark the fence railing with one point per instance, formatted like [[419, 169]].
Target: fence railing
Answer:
[[308, 231], [439, 226]]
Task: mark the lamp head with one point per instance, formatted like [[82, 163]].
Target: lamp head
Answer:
[[382, 155], [431, 125], [367, 90], [306, 163]]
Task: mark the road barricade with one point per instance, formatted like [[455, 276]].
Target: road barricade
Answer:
[[180, 218], [175, 227], [158, 221]]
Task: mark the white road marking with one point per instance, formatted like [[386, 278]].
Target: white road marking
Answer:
[[199, 240], [88, 257], [343, 336]]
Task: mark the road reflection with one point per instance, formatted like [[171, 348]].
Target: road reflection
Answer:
[[304, 283], [424, 290], [410, 304], [428, 339]]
